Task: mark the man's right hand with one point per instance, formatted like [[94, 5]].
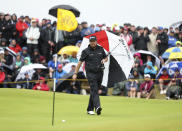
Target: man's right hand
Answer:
[[74, 77]]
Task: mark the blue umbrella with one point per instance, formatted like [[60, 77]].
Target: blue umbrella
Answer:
[[171, 67]]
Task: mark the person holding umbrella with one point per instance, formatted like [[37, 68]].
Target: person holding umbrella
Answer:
[[94, 58]]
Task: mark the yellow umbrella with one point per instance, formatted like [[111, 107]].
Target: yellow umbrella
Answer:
[[68, 50], [173, 53]]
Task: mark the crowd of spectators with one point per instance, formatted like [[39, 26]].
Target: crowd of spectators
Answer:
[[25, 40]]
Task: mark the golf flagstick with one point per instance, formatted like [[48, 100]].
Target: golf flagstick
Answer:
[[54, 86]]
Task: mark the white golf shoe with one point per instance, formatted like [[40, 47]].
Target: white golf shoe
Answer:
[[91, 112]]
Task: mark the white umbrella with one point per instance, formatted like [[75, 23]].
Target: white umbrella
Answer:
[[68, 66], [157, 60], [29, 69]]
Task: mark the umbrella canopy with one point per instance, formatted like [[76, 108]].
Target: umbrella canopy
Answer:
[[176, 24], [171, 67], [173, 53], [68, 66], [53, 10], [120, 60], [29, 69], [68, 50], [145, 53]]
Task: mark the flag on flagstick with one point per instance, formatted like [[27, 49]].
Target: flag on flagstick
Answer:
[[66, 20]]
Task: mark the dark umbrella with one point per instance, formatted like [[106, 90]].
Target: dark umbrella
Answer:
[[53, 10]]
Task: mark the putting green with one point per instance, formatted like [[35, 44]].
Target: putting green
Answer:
[[27, 110]]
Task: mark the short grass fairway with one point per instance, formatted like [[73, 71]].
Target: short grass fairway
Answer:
[[27, 110]]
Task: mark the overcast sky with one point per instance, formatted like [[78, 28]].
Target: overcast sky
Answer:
[[138, 12]]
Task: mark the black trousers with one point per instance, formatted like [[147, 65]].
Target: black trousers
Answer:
[[95, 84], [31, 48]]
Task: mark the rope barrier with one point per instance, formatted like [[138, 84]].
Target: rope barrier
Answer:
[[83, 80]]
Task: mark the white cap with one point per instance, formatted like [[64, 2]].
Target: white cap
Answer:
[[147, 75]]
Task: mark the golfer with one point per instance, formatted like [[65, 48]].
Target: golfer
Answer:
[[94, 57]]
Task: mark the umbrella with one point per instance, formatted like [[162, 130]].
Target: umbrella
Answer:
[[120, 59], [68, 50], [173, 53], [29, 69], [68, 66], [176, 24], [53, 10], [171, 67], [145, 53]]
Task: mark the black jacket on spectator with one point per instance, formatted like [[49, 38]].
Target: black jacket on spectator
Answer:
[[7, 32], [2, 24], [47, 34], [71, 38], [164, 43], [140, 42]]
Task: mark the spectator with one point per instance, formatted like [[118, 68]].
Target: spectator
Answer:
[[163, 81], [8, 58], [32, 35], [59, 73], [176, 33], [2, 76], [180, 36], [35, 56], [14, 20], [152, 44], [178, 44], [2, 23], [71, 38], [27, 21], [173, 91], [24, 53], [126, 36], [3, 43], [133, 31], [137, 76], [73, 57], [140, 39], [137, 57], [19, 62], [8, 68], [78, 44], [8, 27], [171, 40], [15, 46], [43, 61], [41, 85], [162, 41], [86, 30], [21, 26], [131, 87], [51, 66], [27, 61], [26, 84], [64, 58], [177, 75], [74, 87], [149, 69], [38, 74], [15, 36], [146, 88], [47, 44]]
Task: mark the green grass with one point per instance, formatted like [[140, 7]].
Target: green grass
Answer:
[[27, 110]]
